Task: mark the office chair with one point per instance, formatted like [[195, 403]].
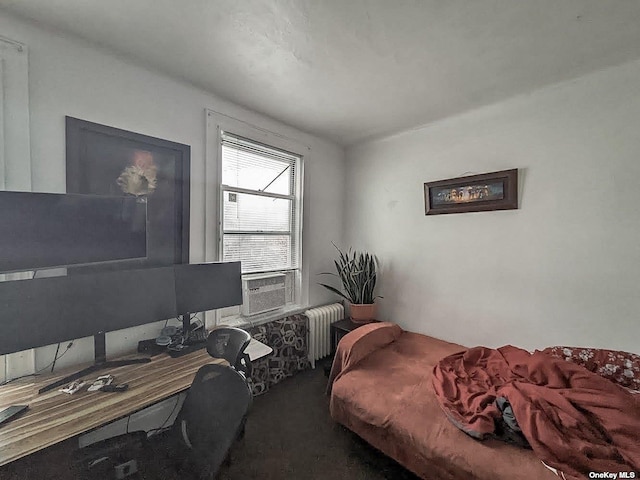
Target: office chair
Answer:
[[214, 412], [229, 343]]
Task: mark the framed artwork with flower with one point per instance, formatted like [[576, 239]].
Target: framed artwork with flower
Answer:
[[103, 160]]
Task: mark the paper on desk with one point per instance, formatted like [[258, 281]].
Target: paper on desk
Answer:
[[257, 350]]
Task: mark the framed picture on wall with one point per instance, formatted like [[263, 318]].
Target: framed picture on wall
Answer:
[[103, 160], [476, 193]]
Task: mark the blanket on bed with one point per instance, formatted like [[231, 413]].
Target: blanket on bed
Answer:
[[575, 420]]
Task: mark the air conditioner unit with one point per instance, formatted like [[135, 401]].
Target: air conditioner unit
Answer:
[[262, 293]]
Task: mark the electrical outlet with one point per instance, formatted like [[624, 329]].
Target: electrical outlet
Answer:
[[125, 469]]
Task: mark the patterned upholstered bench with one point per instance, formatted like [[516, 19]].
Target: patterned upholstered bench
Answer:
[[288, 338]]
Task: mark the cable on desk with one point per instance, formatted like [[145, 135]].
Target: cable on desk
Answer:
[[51, 364], [55, 357]]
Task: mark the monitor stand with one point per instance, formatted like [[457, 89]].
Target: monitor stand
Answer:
[[186, 328], [100, 363]]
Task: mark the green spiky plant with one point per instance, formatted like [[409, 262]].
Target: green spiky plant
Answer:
[[357, 272]]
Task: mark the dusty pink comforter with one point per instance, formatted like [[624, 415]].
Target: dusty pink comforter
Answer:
[[381, 389], [575, 420]]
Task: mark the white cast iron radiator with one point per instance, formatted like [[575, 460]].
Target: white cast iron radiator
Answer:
[[320, 319]]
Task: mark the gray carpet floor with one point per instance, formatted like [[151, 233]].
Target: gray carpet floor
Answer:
[[289, 435]]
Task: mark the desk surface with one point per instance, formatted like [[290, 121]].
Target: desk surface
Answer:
[[55, 416]]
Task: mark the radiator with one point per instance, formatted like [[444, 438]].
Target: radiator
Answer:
[[320, 320]]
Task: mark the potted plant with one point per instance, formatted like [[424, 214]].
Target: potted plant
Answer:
[[357, 272]]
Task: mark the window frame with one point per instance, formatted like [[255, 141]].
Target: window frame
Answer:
[[15, 161], [15, 147], [216, 123], [296, 219]]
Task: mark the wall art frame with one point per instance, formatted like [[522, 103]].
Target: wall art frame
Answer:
[[475, 193], [103, 160]]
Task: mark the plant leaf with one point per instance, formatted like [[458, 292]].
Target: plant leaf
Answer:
[[357, 273]]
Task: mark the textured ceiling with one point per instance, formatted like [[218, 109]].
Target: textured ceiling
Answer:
[[349, 70]]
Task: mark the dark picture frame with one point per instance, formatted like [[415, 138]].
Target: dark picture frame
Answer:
[[475, 193], [103, 160]]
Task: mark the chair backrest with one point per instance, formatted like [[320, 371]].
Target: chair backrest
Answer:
[[213, 414], [229, 343]]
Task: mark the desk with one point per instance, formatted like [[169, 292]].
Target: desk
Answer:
[[55, 416]]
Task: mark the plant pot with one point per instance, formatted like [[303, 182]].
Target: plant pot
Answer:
[[362, 313]]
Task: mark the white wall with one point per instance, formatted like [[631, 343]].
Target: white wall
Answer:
[[68, 76], [563, 269]]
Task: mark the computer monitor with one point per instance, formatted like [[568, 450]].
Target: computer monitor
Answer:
[[206, 286], [43, 230], [43, 311]]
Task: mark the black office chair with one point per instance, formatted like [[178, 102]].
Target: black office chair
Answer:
[[214, 412], [229, 343]]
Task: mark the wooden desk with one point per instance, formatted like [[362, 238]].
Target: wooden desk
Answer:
[[55, 416]]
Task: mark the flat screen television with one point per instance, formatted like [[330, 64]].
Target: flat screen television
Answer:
[[43, 230]]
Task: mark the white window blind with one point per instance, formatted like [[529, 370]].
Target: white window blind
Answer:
[[260, 217]]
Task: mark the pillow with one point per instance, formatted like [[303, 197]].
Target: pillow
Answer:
[[622, 368]]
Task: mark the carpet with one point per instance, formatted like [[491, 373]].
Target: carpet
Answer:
[[289, 435]]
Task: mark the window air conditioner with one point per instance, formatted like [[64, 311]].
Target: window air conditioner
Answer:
[[262, 293]]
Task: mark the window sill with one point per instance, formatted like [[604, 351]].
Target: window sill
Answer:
[[239, 321]]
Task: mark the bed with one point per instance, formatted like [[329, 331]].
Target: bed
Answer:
[[381, 388]]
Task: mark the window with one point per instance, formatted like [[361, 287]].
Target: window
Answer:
[[260, 207]]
